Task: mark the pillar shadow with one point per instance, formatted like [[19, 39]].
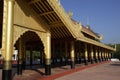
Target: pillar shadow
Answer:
[[32, 68]]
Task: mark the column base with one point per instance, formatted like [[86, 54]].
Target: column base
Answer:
[[107, 59], [86, 62], [24, 64], [96, 60], [7, 75], [47, 69], [92, 62], [72, 65], [80, 61], [100, 60], [66, 61], [19, 69]]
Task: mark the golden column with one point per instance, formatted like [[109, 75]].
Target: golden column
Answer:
[[48, 55], [72, 54], [105, 55], [20, 57], [103, 58], [8, 38], [66, 53], [96, 53], [100, 54], [85, 54], [109, 56], [92, 54], [80, 56]]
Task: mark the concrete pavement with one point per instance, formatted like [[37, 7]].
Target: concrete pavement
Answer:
[[99, 71], [107, 71]]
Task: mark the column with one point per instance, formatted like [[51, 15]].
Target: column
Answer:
[[19, 65], [86, 54], [42, 61], [66, 53], [31, 57], [105, 55], [80, 56], [48, 55], [61, 53], [16, 53], [8, 38], [53, 53], [24, 56], [96, 54], [100, 54], [91, 47], [110, 56], [72, 55]]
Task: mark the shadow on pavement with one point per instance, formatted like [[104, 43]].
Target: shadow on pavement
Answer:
[[115, 64], [30, 68]]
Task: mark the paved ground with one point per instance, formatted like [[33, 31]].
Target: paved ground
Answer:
[[101, 71], [108, 71]]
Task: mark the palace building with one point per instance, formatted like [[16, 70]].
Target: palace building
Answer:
[[42, 30]]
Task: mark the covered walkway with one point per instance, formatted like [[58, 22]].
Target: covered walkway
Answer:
[[41, 30]]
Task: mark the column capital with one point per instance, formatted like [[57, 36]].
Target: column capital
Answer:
[[11, 0], [48, 34]]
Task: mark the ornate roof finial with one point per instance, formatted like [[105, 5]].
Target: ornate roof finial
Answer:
[[70, 13], [58, 1], [80, 23], [88, 26], [101, 37]]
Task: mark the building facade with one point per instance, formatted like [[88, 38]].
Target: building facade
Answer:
[[43, 26]]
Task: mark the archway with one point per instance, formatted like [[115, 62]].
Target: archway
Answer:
[[30, 50]]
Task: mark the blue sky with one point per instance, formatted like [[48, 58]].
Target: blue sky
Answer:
[[103, 16]]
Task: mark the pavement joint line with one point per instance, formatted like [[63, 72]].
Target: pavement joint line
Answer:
[[67, 72]]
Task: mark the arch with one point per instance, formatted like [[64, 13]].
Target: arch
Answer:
[[19, 31], [29, 36], [30, 42]]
